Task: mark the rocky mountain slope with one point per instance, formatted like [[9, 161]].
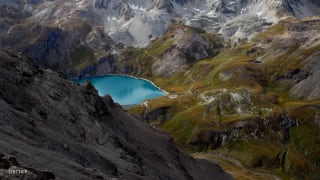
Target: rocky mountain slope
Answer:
[[179, 48], [137, 22], [53, 128], [70, 35]]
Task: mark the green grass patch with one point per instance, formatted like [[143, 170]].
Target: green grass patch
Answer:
[[253, 153], [276, 30]]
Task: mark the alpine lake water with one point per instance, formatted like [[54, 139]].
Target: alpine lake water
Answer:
[[125, 90]]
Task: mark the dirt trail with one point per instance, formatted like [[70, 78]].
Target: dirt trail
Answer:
[[234, 167], [189, 91]]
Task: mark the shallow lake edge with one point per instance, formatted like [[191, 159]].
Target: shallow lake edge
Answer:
[[166, 93]]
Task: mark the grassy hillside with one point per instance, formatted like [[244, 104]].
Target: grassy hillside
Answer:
[[239, 102]]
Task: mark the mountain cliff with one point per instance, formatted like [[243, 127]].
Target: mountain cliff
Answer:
[[53, 128]]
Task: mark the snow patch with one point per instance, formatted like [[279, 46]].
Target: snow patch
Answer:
[[137, 7]]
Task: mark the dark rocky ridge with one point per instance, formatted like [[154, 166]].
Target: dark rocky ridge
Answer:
[[58, 128], [68, 48]]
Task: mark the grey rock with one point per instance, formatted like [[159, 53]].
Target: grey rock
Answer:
[[188, 45], [308, 88], [132, 21]]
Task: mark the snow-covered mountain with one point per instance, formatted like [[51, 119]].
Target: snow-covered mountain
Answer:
[[136, 22]]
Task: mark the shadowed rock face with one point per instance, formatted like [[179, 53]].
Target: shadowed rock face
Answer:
[[59, 129], [68, 48]]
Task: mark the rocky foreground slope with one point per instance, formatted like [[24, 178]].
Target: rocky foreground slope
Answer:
[[54, 128]]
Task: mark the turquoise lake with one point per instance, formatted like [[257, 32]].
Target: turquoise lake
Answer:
[[124, 90]]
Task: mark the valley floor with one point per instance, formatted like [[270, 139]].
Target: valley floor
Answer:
[[234, 167]]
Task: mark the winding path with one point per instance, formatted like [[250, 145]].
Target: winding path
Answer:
[[234, 167], [189, 91]]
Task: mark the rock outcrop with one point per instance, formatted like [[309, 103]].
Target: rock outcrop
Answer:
[[186, 46], [54, 128], [179, 48]]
